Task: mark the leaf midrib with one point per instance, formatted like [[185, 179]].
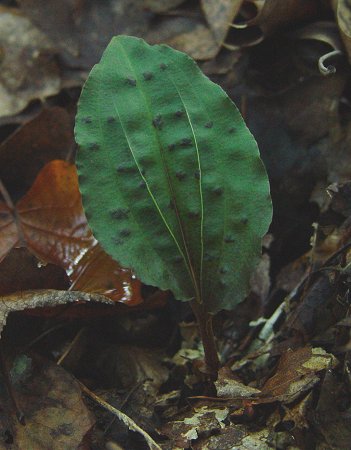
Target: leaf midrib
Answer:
[[186, 259], [225, 214]]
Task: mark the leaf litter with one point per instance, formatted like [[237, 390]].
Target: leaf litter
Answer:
[[286, 350]]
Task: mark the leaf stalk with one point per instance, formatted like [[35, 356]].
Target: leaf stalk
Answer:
[[204, 321]]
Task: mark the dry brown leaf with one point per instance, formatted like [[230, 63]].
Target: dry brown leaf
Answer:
[[28, 67], [237, 437], [273, 14], [296, 373], [20, 301], [198, 42], [56, 417], [219, 15], [325, 31], [25, 152], [162, 6], [297, 413], [342, 10], [82, 29], [332, 416], [322, 32]]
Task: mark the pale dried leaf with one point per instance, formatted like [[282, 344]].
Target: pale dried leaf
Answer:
[[28, 71], [43, 298], [199, 43], [219, 15], [342, 10]]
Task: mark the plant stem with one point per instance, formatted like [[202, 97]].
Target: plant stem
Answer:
[[204, 321]]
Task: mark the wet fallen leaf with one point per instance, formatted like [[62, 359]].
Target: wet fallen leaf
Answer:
[[97, 272], [20, 271], [28, 67], [297, 372], [56, 417], [51, 223]]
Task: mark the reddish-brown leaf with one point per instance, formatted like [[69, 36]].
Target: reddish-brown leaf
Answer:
[[49, 220], [51, 217], [97, 272], [8, 230]]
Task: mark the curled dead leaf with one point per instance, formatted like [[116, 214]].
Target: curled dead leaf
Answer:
[[270, 15], [326, 33], [219, 15], [20, 301], [260, 18], [342, 9]]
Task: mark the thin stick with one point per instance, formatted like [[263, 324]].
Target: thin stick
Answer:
[[121, 416], [42, 336], [70, 347], [6, 196]]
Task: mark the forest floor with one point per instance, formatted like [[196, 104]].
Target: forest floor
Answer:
[[128, 374]]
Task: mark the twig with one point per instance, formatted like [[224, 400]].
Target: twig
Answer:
[[71, 345], [6, 196], [42, 336], [121, 416]]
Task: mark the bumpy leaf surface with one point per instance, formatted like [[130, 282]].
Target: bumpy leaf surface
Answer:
[[171, 178]]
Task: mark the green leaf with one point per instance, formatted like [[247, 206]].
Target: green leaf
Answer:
[[171, 178]]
